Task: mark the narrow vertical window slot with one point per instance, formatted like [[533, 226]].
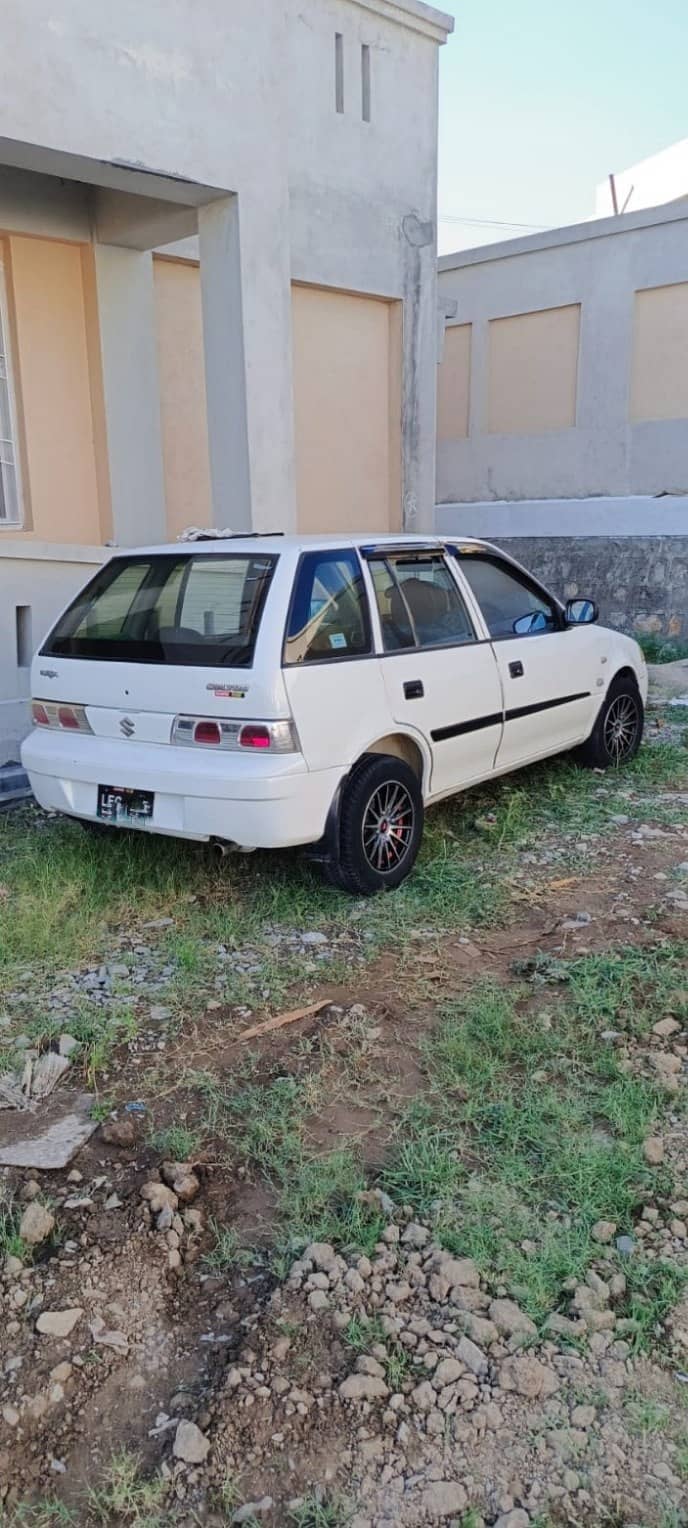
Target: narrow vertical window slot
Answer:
[[339, 71], [365, 82]]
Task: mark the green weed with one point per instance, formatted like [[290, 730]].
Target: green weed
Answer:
[[315, 1511], [126, 1496], [180, 1143]]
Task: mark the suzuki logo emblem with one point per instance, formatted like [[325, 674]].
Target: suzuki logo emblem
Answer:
[[127, 726]]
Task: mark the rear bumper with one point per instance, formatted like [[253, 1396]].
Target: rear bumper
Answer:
[[254, 801]]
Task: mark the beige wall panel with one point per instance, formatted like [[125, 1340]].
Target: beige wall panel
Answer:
[[54, 399], [533, 371], [453, 384], [182, 396], [659, 375], [347, 413]]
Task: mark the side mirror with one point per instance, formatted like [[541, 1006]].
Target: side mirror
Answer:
[[527, 625], [581, 612]]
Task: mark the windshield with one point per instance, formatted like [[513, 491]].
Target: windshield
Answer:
[[202, 610]]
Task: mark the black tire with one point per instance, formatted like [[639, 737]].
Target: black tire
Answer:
[[618, 730], [380, 827]]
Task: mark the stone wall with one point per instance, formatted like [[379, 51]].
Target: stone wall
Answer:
[[639, 582]]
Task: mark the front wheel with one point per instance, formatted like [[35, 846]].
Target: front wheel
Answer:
[[616, 735], [380, 826]]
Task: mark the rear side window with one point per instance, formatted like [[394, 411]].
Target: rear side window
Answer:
[[186, 610], [419, 603], [329, 617]]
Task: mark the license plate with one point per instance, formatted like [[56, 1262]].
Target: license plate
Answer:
[[119, 804]]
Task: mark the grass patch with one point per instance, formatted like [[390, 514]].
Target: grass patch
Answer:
[[541, 1133], [227, 1251], [265, 1124], [126, 1496], [46, 1513], [180, 1143], [363, 1333], [11, 1244], [315, 1511], [659, 649]]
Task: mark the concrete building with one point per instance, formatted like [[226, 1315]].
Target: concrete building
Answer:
[[563, 408], [662, 177], [218, 281]]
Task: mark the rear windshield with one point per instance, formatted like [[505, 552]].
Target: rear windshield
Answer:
[[182, 610]]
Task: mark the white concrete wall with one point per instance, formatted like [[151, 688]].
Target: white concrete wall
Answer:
[[600, 266]]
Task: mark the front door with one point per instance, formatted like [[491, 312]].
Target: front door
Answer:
[[550, 673], [440, 678]]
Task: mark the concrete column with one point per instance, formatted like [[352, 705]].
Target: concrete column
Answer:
[[131, 393], [246, 292], [225, 365]]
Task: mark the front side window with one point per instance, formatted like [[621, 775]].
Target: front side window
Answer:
[[419, 603], [10, 498], [511, 604], [182, 610], [329, 616]]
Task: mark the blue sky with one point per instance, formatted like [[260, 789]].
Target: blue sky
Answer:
[[540, 99]]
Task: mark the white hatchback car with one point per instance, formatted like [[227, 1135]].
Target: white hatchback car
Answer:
[[267, 691]]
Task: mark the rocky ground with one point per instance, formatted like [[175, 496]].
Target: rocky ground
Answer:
[[177, 1348]]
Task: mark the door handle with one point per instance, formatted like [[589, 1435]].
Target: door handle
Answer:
[[516, 669], [413, 689]]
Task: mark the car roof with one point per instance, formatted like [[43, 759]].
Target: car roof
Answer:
[[243, 542]]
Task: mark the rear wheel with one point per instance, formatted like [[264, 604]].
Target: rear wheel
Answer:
[[380, 827], [616, 735]]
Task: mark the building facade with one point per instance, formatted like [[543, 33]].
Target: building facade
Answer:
[[217, 282], [563, 408]]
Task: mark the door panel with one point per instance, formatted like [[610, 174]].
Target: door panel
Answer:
[[550, 705], [459, 710], [551, 675]]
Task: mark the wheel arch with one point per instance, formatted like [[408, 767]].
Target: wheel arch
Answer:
[[397, 744]]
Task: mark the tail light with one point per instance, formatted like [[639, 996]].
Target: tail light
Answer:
[[49, 713], [204, 732]]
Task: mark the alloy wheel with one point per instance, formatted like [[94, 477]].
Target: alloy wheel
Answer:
[[621, 728], [388, 823]]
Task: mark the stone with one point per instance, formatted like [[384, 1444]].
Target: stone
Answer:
[[423, 1396], [119, 1132], [653, 1150], [444, 1498], [525, 1375], [517, 1518], [36, 1223], [68, 1044], [603, 1231], [510, 1320], [252, 1510], [159, 1197], [458, 1272], [666, 1028], [61, 1373], [10, 1415], [354, 1281], [58, 1323], [48, 1146], [583, 1416], [182, 1180], [363, 1387], [318, 1300], [447, 1371], [415, 1235], [190, 1444], [471, 1356], [322, 1255], [480, 1330], [367, 1365]]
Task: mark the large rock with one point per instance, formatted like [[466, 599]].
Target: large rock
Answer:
[[451, 1273], [527, 1377], [36, 1224], [58, 1323], [363, 1387], [653, 1150], [190, 1444], [510, 1320], [444, 1498], [471, 1356], [159, 1197]]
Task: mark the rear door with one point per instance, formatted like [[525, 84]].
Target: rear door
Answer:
[[440, 678], [550, 673]]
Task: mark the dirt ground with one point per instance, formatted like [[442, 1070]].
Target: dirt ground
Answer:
[[195, 1296]]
